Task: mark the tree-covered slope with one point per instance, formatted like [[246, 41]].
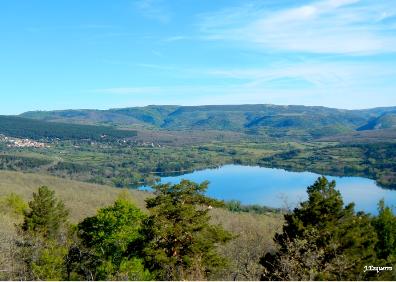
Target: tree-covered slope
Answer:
[[36, 129], [272, 120], [384, 121], [147, 116]]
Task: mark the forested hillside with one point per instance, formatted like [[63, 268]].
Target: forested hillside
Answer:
[[34, 129], [297, 122], [384, 121]]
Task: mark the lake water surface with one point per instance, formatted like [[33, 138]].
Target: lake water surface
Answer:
[[272, 187]]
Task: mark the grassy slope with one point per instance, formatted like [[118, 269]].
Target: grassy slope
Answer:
[[83, 199]]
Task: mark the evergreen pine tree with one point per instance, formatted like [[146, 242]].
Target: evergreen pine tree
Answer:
[[181, 242], [385, 225], [47, 214], [44, 237], [322, 239]]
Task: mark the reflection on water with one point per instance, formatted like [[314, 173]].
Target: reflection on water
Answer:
[[274, 187]]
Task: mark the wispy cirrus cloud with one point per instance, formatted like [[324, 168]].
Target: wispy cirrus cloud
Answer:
[[321, 27], [315, 73], [251, 93], [128, 90], [176, 38], [340, 84], [153, 9], [337, 53]]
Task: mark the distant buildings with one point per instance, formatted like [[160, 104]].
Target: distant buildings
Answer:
[[22, 143]]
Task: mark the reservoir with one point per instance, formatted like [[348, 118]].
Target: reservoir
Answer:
[[274, 187]]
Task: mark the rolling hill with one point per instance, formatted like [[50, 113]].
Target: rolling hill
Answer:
[[301, 122]]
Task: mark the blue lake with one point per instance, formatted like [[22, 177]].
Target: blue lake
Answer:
[[273, 187]]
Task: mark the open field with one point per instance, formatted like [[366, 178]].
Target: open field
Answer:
[[82, 199]]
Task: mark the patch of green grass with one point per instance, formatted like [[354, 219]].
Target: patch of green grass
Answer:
[[82, 199]]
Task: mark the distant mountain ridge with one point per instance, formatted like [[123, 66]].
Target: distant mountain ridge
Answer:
[[275, 121]]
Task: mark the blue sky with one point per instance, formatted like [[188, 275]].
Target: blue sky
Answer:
[[109, 54]]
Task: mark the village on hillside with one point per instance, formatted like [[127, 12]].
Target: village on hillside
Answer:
[[22, 143]]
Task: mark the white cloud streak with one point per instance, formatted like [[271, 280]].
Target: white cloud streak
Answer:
[[153, 9], [319, 74], [128, 90], [335, 84], [324, 27], [252, 94]]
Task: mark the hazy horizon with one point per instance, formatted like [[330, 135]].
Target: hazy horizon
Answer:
[[203, 105]]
